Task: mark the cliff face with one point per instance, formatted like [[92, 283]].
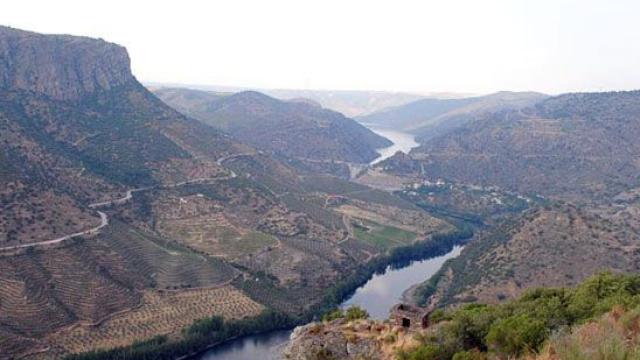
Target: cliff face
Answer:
[[60, 66]]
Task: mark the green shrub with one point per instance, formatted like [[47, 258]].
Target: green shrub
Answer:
[[355, 313], [333, 315], [521, 326], [516, 335], [469, 355]]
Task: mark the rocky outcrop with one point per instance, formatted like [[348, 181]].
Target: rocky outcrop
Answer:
[[317, 341], [62, 67]]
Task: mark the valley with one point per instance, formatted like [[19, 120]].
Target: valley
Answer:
[[180, 221], [266, 218], [376, 297]]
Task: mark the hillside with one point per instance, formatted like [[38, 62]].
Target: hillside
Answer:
[[428, 118], [570, 145], [597, 319], [559, 245], [571, 159], [123, 220], [294, 129], [37, 63]]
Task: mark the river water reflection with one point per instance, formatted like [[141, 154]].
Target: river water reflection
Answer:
[[401, 142], [377, 296]]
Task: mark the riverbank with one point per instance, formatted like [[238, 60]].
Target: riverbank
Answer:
[[435, 249], [196, 343]]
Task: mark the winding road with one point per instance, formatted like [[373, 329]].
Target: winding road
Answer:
[[104, 219]]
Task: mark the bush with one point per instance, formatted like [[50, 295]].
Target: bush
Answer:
[[355, 313], [333, 315], [516, 335], [523, 325], [469, 355]]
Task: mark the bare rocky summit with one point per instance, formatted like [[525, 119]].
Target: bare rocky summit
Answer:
[[62, 67]]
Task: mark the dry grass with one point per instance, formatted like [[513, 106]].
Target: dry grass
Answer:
[[615, 336]]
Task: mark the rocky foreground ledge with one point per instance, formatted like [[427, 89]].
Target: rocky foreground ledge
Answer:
[[342, 339]]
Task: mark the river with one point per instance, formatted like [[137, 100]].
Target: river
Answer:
[[376, 296], [402, 141]]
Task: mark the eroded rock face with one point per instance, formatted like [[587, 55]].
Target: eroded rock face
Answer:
[[62, 67], [317, 341]]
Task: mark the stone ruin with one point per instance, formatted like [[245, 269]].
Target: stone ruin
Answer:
[[410, 317]]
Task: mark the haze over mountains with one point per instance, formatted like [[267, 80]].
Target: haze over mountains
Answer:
[[565, 144], [428, 118], [351, 103]]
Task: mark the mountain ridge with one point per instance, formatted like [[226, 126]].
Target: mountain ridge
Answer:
[[429, 118], [295, 129]]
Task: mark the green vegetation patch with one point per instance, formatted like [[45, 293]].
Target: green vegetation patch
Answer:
[[352, 313], [522, 326], [254, 241], [383, 237]]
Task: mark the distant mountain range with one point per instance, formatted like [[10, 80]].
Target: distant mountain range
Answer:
[[298, 129], [351, 103], [428, 118]]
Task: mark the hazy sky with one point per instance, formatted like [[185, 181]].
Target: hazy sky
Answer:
[[466, 46]]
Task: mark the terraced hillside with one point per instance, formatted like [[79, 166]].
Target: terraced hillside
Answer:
[[122, 219]]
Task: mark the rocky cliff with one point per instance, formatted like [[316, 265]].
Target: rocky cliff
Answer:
[[62, 67]]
